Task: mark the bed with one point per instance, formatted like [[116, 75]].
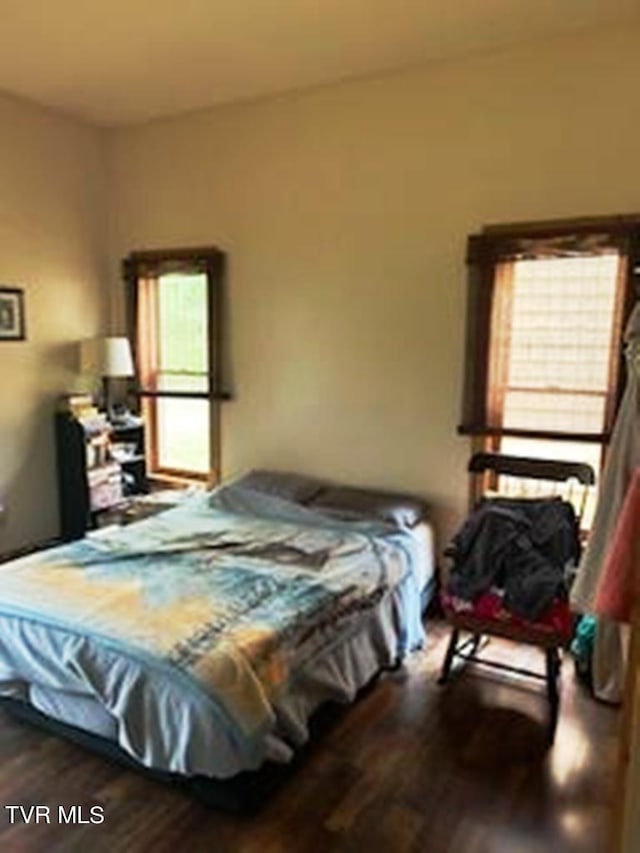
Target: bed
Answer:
[[198, 642]]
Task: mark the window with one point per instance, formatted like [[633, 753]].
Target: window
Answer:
[[546, 312], [174, 307]]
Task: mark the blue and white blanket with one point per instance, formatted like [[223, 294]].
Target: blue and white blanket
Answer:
[[197, 629]]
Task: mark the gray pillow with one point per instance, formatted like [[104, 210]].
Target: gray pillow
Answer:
[[351, 503], [281, 484]]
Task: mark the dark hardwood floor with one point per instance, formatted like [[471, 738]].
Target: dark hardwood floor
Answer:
[[411, 766]]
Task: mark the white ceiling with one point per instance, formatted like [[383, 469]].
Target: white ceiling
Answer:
[[114, 62]]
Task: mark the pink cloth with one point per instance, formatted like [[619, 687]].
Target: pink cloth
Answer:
[[489, 607], [619, 585]]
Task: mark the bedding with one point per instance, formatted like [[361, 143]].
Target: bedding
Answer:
[[346, 503], [352, 504], [297, 488], [201, 640]]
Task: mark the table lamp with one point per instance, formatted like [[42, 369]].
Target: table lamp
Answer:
[[109, 358]]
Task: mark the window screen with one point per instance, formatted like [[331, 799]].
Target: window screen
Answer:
[[559, 355]]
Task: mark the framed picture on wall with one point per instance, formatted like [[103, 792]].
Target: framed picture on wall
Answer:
[[12, 326]]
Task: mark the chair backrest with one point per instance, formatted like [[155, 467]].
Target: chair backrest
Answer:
[[508, 475]]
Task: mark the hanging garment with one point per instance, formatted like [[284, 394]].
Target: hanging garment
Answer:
[[619, 588], [623, 458]]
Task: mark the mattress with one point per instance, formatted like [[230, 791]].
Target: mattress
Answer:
[[187, 736]]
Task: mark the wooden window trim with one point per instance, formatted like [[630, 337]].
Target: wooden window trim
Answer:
[[616, 225], [497, 243], [155, 262]]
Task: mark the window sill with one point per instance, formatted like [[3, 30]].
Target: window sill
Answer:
[[162, 480]]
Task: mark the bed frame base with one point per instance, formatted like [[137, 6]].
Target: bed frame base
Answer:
[[245, 792]]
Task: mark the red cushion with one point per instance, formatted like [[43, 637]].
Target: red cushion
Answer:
[[489, 606]]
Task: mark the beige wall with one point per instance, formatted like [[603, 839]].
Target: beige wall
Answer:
[[344, 212], [51, 244]]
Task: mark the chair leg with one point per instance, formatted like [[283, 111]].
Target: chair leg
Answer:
[[448, 658], [553, 693]]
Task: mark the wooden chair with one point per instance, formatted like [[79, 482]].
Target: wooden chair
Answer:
[[510, 476]]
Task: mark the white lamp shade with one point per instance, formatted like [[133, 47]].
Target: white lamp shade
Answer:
[[106, 357]]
